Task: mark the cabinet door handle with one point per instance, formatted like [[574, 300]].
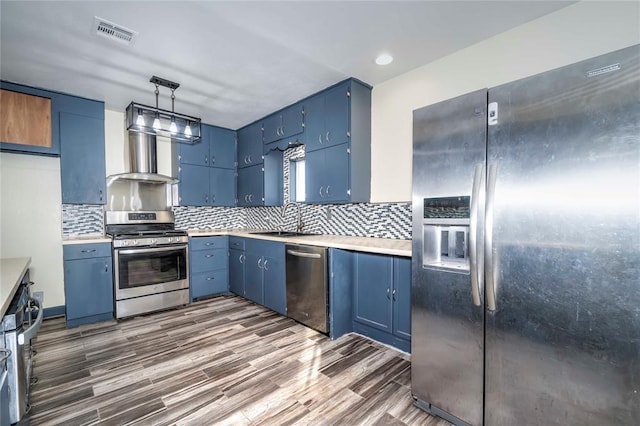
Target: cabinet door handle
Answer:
[[388, 294], [260, 263], [88, 251], [208, 244], [100, 192], [320, 138], [327, 136], [393, 294], [213, 198], [209, 255], [106, 267], [206, 159], [241, 258], [327, 190], [250, 198], [213, 160], [249, 158], [246, 198], [321, 196], [210, 278], [264, 265], [206, 198]]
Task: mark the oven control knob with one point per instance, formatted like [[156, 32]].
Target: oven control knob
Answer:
[[153, 241], [125, 242], [134, 242]]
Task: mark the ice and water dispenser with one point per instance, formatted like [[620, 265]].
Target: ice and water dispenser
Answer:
[[445, 233]]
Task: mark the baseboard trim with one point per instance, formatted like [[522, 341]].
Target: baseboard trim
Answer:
[[54, 311]]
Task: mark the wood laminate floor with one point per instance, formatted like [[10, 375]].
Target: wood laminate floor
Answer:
[[220, 361]]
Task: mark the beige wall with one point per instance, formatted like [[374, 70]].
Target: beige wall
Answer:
[[572, 34], [31, 219]]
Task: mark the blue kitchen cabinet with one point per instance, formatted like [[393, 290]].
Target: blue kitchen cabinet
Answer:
[[82, 159], [283, 124], [194, 185], [206, 170], [327, 178], [236, 270], [250, 145], [401, 296], [208, 266], [337, 139], [372, 290], [253, 284], [382, 298], [222, 148], [273, 269], [250, 186], [340, 292], [273, 178], [222, 187], [327, 117], [88, 283], [217, 148]]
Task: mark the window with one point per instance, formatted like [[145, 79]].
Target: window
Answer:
[[296, 180]]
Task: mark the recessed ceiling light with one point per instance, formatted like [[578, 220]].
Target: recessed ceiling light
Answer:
[[384, 59]]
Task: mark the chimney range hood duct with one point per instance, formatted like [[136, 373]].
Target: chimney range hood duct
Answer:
[[143, 161]]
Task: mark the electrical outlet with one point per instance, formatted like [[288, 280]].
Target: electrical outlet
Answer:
[[328, 213]]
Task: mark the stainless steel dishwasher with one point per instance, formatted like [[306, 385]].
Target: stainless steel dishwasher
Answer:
[[307, 288]]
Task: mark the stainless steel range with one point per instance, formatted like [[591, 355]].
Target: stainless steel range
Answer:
[[151, 262], [151, 257]]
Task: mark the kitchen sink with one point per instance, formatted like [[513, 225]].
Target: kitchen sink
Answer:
[[281, 233]]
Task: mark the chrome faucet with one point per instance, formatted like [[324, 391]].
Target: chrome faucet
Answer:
[[283, 216]]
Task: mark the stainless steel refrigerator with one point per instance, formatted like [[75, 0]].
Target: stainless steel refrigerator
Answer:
[[526, 249]]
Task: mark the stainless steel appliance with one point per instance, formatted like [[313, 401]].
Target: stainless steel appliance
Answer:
[[151, 263], [307, 289], [526, 249], [19, 327], [151, 257]]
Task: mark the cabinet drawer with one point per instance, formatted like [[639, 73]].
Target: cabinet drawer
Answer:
[[86, 251], [206, 243], [207, 260], [236, 243], [209, 283]]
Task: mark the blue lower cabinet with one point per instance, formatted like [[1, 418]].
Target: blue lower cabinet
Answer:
[[340, 292], [275, 286], [236, 271], [208, 266], [88, 284], [205, 284], [253, 285], [382, 298]]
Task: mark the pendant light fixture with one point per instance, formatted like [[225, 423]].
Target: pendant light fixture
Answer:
[[171, 124]]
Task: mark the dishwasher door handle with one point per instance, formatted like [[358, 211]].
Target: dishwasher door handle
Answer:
[[303, 254]]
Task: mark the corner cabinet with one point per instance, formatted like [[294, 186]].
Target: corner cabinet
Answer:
[[207, 169], [88, 283], [337, 138], [208, 266], [382, 298]]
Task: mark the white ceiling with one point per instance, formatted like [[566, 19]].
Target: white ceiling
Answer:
[[238, 61]]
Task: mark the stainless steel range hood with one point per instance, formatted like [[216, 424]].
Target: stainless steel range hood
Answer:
[[143, 162]]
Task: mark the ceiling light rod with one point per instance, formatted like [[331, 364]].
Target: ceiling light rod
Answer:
[[178, 127]]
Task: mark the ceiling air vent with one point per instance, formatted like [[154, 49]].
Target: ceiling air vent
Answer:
[[112, 31]]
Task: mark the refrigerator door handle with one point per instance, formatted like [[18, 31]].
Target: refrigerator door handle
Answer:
[[476, 279], [488, 239]]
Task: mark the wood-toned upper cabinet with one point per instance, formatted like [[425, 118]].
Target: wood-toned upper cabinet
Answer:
[[25, 119]]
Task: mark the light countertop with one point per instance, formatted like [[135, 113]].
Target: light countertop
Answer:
[[86, 239], [366, 244], [11, 272]]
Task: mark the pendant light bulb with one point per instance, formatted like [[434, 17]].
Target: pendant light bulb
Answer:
[[173, 128], [156, 124], [140, 119], [187, 130]]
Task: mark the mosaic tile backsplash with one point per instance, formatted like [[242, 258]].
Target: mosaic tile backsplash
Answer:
[[82, 219], [385, 220]]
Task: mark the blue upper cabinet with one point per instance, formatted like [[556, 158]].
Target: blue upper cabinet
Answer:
[[250, 186], [250, 145], [206, 170], [282, 129], [337, 139], [82, 159], [327, 117], [222, 150]]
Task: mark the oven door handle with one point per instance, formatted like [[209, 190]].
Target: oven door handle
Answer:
[[31, 332], [151, 250]]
